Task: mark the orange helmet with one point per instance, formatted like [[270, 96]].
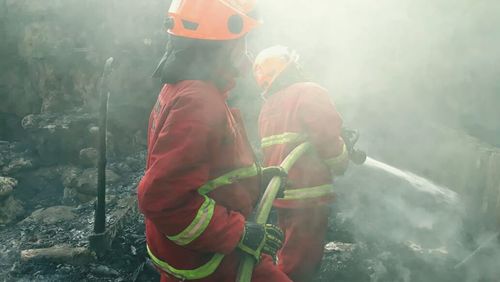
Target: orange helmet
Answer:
[[211, 19], [271, 62]]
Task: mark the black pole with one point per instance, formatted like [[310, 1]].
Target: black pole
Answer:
[[100, 210]]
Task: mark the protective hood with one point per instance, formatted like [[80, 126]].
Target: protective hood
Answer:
[[188, 59]]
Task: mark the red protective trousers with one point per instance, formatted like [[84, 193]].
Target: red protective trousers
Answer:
[[302, 112]]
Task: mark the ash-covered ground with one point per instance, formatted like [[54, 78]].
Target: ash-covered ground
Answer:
[[357, 249]]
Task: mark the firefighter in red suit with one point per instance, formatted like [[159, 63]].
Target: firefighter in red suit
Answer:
[[201, 180], [295, 111]]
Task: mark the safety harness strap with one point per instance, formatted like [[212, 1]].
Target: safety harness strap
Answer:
[[284, 138], [190, 274], [309, 192]]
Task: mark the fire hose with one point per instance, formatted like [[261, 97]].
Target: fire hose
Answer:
[[264, 208]]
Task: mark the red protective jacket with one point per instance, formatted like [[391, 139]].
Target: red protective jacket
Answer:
[[302, 112], [193, 139]]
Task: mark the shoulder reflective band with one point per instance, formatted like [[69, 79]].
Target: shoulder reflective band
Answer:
[[338, 159], [308, 193], [191, 274], [229, 178], [287, 137], [197, 226]]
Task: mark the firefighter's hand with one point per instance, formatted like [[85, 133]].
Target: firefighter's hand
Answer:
[[258, 239], [271, 171]]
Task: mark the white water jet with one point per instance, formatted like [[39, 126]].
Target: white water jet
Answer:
[[418, 182]]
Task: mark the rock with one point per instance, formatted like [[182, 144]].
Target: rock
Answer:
[[17, 165], [102, 270], [69, 175], [15, 158], [10, 210], [88, 157], [58, 138], [338, 247], [94, 130], [72, 196], [7, 185], [81, 185], [86, 183], [52, 215]]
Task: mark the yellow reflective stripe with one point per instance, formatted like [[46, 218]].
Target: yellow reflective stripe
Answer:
[[190, 274], [338, 159], [200, 223], [287, 137], [197, 226], [308, 193], [229, 178]]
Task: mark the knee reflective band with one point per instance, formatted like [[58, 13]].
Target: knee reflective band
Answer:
[[190, 274], [287, 137], [331, 163], [200, 223], [309, 193]]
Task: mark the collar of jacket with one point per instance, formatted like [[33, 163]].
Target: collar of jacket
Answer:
[[288, 77]]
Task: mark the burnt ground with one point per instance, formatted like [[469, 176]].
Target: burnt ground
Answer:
[[119, 264], [349, 256]]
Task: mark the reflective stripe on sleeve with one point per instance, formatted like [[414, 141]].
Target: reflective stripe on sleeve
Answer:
[[197, 226], [229, 178]]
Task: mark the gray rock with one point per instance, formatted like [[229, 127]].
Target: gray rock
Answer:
[[72, 196], [58, 138], [10, 210], [52, 215], [94, 130], [86, 183], [88, 157], [81, 185], [18, 165], [102, 270], [15, 158], [69, 175], [7, 185]]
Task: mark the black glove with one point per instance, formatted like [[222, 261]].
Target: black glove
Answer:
[[269, 172], [258, 238]]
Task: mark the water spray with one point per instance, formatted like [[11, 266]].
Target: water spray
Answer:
[[483, 245]]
